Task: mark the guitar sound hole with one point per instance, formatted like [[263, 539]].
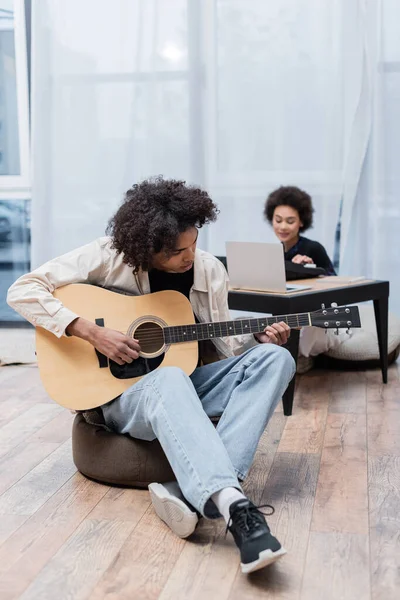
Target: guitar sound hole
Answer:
[[150, 336]]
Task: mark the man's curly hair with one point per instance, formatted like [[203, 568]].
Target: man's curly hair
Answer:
[[291, 196], [152, 216]]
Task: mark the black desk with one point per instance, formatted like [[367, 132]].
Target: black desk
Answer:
[[309, 300]]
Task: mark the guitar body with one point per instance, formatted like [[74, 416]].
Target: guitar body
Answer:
[[72, 372]]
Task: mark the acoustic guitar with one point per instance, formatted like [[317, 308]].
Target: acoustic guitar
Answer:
[[77, 376]]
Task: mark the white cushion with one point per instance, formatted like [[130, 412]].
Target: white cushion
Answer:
[[363, 343], [17, 346]]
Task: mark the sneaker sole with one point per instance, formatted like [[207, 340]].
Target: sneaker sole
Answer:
[[265, 558], [172, 511]]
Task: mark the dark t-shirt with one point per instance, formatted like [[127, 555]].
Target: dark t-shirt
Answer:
[[314, 250], [179, 282]]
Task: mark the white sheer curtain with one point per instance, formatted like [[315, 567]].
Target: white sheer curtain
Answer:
[[371, 208], [239, 96]]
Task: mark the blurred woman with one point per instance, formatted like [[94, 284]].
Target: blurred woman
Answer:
[[290, 212]]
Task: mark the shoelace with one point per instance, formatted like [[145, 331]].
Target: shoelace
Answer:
[[249, 518]]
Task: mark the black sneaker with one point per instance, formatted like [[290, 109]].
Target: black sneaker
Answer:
[[258, 548]]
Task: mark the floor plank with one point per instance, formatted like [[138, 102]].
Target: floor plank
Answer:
[[34, 544], [24, 382], [380, 397], [14, 373], [22, 459], [337, 567], [384, 433], [52, 516], [78, 565], [384, 498], [206, 568], [57, 430], [348, 392], [11, 407], [304, 430], [143, 564], [8, 525], [256, 480], [341, 502], [17, 430], [32, 491], [122, 504]]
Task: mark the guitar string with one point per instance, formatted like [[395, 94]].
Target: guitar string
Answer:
[[221, 323], [158, 335], [225, 324], [151, 331]]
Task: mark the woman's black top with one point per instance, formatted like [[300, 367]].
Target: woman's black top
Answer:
[[314, 250]]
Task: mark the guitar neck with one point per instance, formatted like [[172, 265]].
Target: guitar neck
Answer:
[[207, 331]]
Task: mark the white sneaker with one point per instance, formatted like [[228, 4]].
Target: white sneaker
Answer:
[[170, 506]]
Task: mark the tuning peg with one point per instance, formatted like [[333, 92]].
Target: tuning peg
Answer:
[[323, 306], [334, 304]]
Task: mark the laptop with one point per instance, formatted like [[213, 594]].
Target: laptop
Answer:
[[259, 267]]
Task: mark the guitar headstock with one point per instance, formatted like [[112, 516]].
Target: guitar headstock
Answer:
[[336, 317]]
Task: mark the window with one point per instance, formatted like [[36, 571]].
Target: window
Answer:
[[14, 152]]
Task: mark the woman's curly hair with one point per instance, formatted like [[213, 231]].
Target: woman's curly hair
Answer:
[[291, 196], [152, 216]]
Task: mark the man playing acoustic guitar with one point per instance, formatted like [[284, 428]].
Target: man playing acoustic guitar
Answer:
[[152, 247]]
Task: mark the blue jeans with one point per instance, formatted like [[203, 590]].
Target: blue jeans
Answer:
[[167, 404]]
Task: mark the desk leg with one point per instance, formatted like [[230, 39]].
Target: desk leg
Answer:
[[293, 347], [381, 307]]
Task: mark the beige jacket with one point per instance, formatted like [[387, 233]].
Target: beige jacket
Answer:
[[97, 263]]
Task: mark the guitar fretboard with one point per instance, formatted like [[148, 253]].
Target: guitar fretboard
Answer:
[[206, 331]]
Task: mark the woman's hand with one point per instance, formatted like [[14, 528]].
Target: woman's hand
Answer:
[[302, 259]]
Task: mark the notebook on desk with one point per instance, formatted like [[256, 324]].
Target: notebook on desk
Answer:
[[257, 266]]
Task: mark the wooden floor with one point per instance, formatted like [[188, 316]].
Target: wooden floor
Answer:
[[332, 471]]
